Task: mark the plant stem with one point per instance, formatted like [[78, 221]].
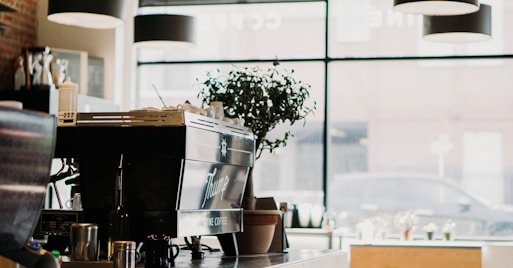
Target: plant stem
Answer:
[[249, 199]]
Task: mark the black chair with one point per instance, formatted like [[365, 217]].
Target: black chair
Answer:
[[27, 143]]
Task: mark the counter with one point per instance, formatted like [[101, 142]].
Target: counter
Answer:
[[290, 259], [420, 254], [294, 258]]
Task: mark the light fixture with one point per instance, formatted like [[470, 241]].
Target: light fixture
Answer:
[[161, 30], [473, 27], [96, 14], [436, 7]]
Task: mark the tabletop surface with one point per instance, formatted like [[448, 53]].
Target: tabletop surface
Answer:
[[292, 258]]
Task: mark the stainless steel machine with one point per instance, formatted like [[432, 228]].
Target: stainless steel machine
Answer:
[[183, 174], [27, 141]]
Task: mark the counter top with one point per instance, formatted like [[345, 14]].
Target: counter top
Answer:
[[290, 259], [293, 258], [419, 254]]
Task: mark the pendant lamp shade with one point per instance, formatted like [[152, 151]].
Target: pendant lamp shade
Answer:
[[163, 30], [436, 7], [96, 14], [473, 27]]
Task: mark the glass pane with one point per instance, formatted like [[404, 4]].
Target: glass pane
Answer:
[[368, 28], [174, 83], [294, 173], [438, 129], [252, 31], [432, 123]]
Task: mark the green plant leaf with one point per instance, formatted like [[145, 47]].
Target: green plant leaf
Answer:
[[264, 99]]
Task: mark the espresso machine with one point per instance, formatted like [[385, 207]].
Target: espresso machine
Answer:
[[180, 174]]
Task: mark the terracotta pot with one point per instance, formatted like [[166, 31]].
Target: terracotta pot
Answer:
[[258, 231], [406, 234]]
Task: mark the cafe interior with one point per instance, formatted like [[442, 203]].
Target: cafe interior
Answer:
[[112, 154]]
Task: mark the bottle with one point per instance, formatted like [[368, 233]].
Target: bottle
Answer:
[[68, 92], [57, 255], [119, 223], [67, 115], [118, 226], [19, 74]]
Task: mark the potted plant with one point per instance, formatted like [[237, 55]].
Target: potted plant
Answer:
[[430, 230], [263, 100], [406, 222], [448, 229]]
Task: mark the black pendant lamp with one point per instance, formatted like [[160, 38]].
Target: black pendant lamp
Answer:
[[436, 7], [473, 27], [163, 30], [96, 14]]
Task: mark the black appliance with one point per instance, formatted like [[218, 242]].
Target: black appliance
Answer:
[[183, 173]]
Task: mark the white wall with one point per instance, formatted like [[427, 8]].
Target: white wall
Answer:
[[113, 45]]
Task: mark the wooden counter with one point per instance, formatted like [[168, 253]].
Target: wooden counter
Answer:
[[415, 254]]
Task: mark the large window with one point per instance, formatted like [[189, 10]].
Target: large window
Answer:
[[450, 119], [230, 36], [394, 108]]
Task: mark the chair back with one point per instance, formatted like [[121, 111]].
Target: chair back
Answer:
[[27, 144]]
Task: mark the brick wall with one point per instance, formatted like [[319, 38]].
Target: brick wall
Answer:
[[21, 32]]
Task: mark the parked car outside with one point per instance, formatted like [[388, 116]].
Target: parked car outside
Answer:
[[356, 197]]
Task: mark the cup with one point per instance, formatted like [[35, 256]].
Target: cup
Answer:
[[239, 121], [218, 109], [211, 111], [125, 255], [84, 241], [303, 212], [159, 252], [75, 203], [68, 96]]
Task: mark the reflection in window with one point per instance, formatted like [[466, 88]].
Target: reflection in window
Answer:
[[249, 31], [444, 118]]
